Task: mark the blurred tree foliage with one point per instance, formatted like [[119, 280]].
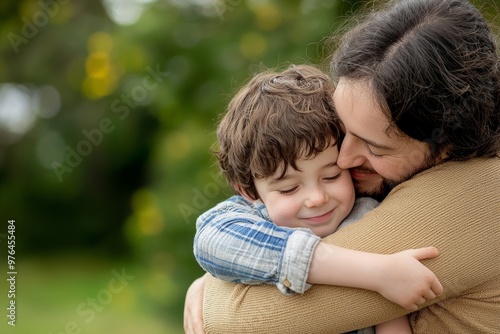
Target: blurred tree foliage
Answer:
[[107, 114]]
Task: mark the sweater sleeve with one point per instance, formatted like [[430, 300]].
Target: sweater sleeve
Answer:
[[454, 207], [236, 242]]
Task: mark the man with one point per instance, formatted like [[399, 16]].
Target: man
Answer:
[[418, 95]]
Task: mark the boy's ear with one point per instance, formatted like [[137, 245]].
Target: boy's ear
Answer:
[[242, 191]]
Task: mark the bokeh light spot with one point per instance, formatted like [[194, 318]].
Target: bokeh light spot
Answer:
[[268, 16], [101, 78], [150, 220], [100, 42], [50, 148], [177, 145], [253, 45], [125, 12], [95, 88], [17, 114], [49, 101], [97, 65]]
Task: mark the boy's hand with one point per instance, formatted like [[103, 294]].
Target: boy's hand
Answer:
[[404, 280]]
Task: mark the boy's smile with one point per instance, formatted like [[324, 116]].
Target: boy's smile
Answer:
[[321, 218]]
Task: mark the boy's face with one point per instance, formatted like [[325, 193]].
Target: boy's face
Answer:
[[318, 196]]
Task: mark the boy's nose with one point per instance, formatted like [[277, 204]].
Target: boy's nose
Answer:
[[316, 197]]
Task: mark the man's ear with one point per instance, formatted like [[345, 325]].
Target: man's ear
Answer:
[[242, 191]]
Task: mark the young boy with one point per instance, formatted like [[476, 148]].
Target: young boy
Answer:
[[278, 147]]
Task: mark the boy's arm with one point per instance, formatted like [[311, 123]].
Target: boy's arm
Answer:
[[237, 242], [399, 277]]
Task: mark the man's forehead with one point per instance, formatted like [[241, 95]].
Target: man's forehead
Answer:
[[361, 114], [356, 105]]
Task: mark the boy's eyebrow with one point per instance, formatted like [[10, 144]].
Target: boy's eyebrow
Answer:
[[283, 178], [372, 143]]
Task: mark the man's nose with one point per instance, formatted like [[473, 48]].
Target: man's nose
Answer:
[[350, 154]]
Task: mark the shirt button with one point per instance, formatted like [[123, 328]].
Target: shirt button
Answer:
[[287, 283]]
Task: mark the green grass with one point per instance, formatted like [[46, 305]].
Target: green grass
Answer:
[[78, 294]]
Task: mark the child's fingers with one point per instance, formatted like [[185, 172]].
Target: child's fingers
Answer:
[[424, 253], [421, 300], [411, 307], [429, 295], [436, 287]]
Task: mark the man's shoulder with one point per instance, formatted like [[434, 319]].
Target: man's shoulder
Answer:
[[477, 167], [478, 177]]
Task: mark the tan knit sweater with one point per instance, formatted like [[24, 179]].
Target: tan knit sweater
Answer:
[[454, 207]]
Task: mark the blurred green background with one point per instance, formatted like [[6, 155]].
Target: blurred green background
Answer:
[[107, 116]]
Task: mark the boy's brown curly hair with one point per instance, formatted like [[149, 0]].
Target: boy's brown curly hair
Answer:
[[274, 120]]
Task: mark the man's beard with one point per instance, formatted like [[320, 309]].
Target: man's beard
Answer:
[[387, 185]]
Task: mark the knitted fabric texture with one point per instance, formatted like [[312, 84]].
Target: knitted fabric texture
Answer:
[[454, 206]]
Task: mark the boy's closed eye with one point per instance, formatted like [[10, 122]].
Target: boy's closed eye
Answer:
[[292, 189], [288, 191], [332, 178]]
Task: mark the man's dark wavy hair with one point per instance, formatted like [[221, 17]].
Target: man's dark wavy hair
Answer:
[[434, 70]]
